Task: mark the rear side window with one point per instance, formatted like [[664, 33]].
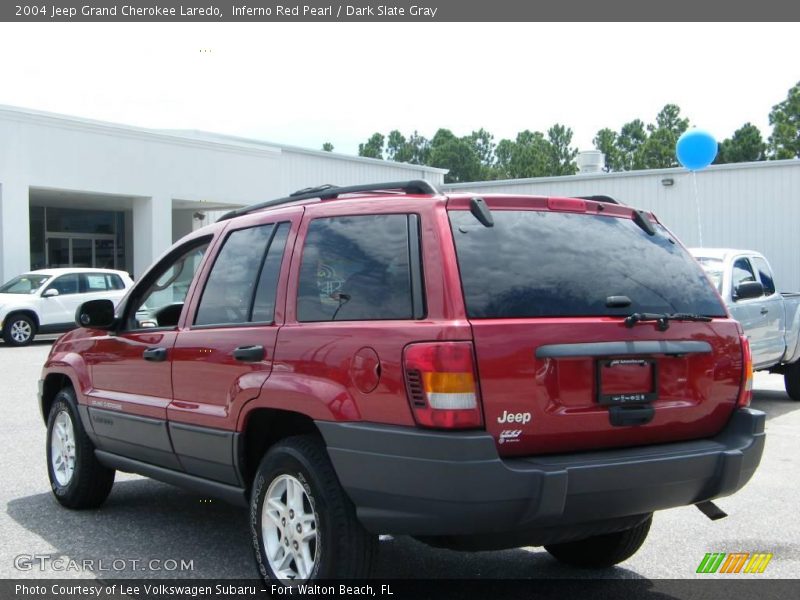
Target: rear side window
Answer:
[[765, 275], [550, 264], [101, 282], [356, 268]]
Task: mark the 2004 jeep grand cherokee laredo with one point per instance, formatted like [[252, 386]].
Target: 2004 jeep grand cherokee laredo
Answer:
[[480, 373]]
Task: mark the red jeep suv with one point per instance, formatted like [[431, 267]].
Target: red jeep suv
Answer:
[[476, 372]]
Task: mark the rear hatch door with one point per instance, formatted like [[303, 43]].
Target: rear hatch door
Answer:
[[547, 291]]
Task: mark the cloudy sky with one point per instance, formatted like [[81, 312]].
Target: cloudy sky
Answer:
[[305, 84]]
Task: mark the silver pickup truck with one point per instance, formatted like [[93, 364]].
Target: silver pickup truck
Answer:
[[771, 319]]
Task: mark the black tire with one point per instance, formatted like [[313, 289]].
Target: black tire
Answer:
[[791, 379], [602, 551], [16, 325], [343, 549], [91, 482]]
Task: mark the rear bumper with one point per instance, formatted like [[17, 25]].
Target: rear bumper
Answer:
[[410, 481]]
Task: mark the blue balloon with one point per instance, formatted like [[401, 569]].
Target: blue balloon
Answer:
[[696, 149]]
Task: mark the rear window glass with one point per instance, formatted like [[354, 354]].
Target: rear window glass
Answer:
[[549, 264]]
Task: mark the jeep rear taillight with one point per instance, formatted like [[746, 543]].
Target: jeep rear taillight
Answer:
[[442, 385], [746, 390]]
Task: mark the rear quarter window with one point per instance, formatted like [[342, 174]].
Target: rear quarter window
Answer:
[[115, 282], [553, 264], [356, 268]]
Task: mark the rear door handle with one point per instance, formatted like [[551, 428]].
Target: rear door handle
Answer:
[[249, 353], [155, 354], [764, 310]]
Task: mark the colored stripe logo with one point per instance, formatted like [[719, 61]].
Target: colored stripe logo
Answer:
[[735, 562]]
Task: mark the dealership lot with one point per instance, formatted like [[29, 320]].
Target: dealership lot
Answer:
[[148, 528]]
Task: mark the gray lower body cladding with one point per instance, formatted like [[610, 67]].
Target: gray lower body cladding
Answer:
[[426, 483]]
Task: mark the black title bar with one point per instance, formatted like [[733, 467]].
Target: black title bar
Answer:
[[400, 10]]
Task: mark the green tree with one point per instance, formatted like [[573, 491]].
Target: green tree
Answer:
[[327, 147], [414, 150], [373, 147], [745, 145], [395, 146], [419, 149], [606, 142], [456, 154], [562, 154], [483, 142], [529, 155], [441, 137], [785, 120], [659, 148], [630, 144], [503, 153]]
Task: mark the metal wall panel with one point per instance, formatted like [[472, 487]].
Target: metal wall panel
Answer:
[[299, 170]]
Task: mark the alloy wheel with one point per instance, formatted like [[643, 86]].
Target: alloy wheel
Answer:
[[21, 331], [62, 449], [289, 529]]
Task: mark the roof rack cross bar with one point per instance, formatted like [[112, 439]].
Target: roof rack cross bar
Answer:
[[329, 192]]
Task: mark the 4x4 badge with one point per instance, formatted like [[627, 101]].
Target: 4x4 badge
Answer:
[[508, 436]]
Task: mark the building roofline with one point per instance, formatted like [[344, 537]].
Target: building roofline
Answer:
[[762, 164], [190, 137], [130, 131], [199, 133]]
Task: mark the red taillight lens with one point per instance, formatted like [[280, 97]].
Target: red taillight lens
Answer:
[[442, 386], [746, 390]]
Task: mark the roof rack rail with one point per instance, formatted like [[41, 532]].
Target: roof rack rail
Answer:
[[600, 198], [329, 192]]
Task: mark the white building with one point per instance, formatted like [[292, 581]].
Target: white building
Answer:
[[745, 205], [75, 192]]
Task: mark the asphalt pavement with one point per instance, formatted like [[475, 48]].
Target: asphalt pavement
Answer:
[[147, 529]]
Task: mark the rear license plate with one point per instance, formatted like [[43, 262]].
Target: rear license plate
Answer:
[[627, 381]]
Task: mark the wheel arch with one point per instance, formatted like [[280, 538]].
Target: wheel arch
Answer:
[[28, 312], [52, 384], [263, 428]]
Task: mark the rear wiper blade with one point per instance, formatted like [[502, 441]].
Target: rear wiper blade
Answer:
[[662, 319]]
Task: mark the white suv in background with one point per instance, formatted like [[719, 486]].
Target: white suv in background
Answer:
[[45, 301]]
